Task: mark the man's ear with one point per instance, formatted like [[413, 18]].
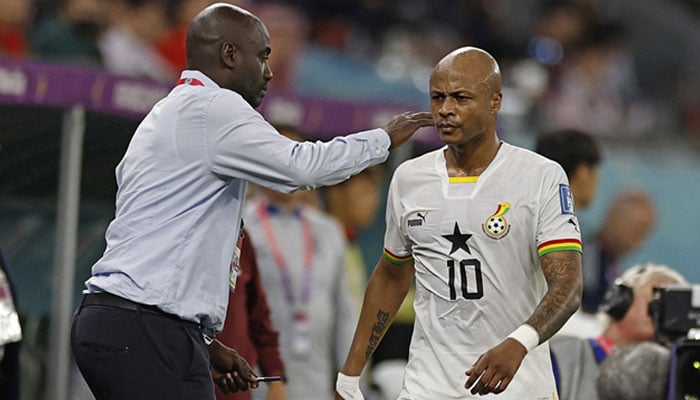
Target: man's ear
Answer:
[[496, 102], [229, 54]]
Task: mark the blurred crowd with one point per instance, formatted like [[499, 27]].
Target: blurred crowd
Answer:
[[620, 69]]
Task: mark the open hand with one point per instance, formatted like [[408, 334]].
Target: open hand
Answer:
[[401, 127], [494, 370]]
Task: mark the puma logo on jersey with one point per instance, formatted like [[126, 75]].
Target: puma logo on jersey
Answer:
[[573, 222], [417, 221]]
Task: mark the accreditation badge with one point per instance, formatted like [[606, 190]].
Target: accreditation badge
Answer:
[[236, 263], [301, 339]]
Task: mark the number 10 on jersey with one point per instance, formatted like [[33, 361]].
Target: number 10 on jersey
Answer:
[[471, 282]]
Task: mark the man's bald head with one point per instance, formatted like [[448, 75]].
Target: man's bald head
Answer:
[[214, 25], [629, 220], [473, 65], [231, 46]]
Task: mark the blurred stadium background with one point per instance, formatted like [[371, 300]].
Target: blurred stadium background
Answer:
[[623, 70]]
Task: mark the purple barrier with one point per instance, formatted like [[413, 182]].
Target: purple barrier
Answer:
[[36, 84]]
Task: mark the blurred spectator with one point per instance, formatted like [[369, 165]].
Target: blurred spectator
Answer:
[[598, 80], [355, 204], [128, 45], [625, 321], [690, 94], [332, 21], [15, 23], [629, 220], [579, 154], [248, 328], [558, 29], [300, 252], [70, 34], [638, 371], [10, 336]]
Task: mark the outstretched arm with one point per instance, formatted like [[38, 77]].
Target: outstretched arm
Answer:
[[385, 291], [494, 369]]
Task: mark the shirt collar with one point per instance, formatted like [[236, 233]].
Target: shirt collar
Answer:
[[189, 73]]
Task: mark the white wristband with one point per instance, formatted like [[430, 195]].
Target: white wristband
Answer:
[[527, 336], [348, 387]]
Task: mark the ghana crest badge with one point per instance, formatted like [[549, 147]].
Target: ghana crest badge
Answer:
[[496, 226]]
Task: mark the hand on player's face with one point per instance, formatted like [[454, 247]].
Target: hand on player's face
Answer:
[[401, 127]]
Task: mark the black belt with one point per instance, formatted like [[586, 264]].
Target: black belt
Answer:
[[110, 300]]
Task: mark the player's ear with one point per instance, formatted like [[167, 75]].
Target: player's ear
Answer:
[[496, 102]]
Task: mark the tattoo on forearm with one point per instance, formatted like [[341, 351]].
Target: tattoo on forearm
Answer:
[[377, 332], [563, 274]]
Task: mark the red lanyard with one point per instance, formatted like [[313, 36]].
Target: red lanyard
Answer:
[[189, 81], [277, 254], [606, 344]]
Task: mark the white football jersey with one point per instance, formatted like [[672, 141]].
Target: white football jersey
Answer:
[[476, 243]]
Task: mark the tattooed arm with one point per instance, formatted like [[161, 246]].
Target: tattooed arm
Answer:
[[385, 291], [494, 369], [562, 269]]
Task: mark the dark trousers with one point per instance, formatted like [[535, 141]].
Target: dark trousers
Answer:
[[139, 353], [9, 372]]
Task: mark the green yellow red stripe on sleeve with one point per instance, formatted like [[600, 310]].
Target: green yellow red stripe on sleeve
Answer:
[[559, 245], [393, 258]]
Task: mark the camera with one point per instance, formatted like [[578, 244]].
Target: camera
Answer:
[[675, 311], [676, 315]]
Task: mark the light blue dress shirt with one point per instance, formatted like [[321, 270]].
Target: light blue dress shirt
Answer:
[[181, 187]]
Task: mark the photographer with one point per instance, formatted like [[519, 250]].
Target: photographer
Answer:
[[626, 321]]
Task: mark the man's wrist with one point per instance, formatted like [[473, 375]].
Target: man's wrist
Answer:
[[527, 336], [348, 386]]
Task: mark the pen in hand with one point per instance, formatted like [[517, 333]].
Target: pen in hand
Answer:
[[269, 378]]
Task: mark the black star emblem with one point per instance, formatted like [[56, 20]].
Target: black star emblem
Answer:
[[459, 240]]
